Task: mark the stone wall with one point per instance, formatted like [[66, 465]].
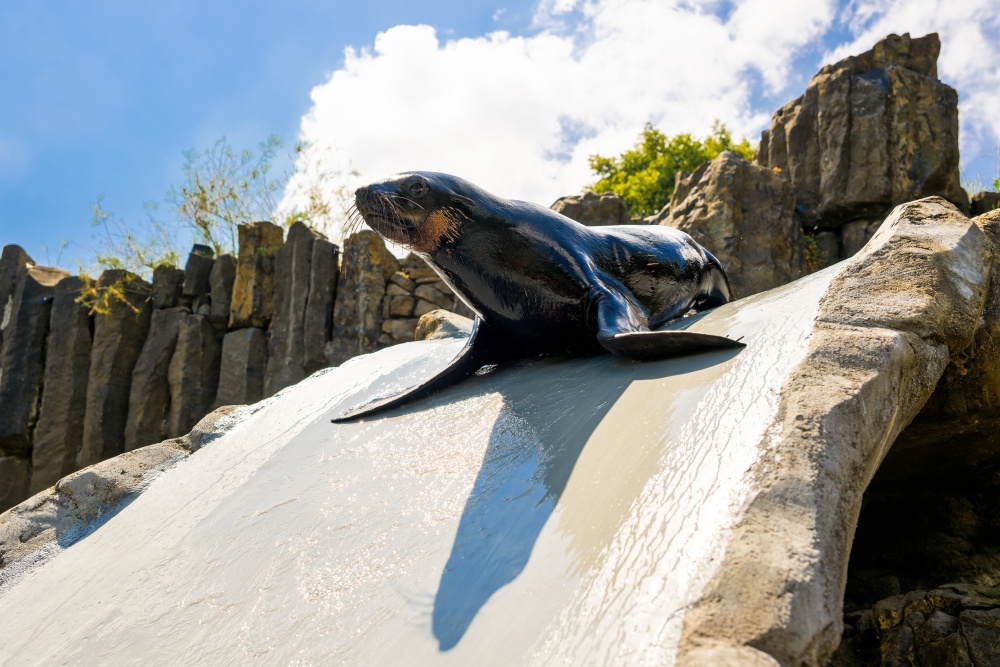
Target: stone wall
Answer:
[[78, 387]]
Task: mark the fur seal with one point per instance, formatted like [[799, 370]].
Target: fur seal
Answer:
[[541, 283]]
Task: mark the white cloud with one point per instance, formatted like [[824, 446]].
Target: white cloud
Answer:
[[969, 61], [519, 116]]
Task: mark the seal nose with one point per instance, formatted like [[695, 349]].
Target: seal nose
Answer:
[[363, 190]]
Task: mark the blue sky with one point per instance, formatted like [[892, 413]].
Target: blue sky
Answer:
[[103, 97]]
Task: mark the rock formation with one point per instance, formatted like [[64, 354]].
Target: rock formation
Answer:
[[594, 209], [196, 288], [22, 368], [193, 373], [984, 202], [22, 361], [118, 339], [357, 314], [13, 261], [744, 214], [302, 291], [242, 367], [221, 281], [149, 397], [58, 434], [253, 288], [412, 292], [869, 132]]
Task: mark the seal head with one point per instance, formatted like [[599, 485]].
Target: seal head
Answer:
[[541, 283]]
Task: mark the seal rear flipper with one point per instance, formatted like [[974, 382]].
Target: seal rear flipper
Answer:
[[478, 352], [623, 330], [646, 345]]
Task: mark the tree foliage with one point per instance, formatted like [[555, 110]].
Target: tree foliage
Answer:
[[644, 175]]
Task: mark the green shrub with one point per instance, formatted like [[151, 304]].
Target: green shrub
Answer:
[[644, 175]]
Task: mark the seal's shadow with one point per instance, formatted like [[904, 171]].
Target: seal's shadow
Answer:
[[535, 442]]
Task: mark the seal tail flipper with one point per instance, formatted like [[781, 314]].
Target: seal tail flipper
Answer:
[[646, 345], [478, 352], [623, 331]]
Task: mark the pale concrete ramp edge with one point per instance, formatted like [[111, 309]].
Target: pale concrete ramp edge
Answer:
[[78, 504], [891, 320]]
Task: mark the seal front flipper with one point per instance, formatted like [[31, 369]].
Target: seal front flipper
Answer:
[[621, 330], [481, 350]]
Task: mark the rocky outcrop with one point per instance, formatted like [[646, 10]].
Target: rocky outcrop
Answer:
[[870, 131], [955, 624], [253, 288], [13, 261], [241, 372], [442, 324], [594, 209], [149, 397], [892, 320], [193, 373], [196, 288], [168, 281], [22, 361], [58, 434], [294, 300], [984, 202], [221, 281], [118, 340], [743, 213], [56, 517], [412, 292], [358, 314], [324, 273]]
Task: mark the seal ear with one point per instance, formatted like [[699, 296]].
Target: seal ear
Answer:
[[465, 201]]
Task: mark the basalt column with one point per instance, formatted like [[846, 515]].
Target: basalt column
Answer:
[[22, 366], [59, 433], [118, 339]]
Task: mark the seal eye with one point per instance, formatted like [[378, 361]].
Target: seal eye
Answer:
[[417, 189]]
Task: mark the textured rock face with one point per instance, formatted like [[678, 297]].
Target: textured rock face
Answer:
[[168, 281], [253, 288], [118, 340], [287, 334], [893, 318], [196, 287], [594, 209], [870, 131], [929, 515], [13, 261], [22, 361], [15, 479], [952, 625], [442, 324], [59, 432], [414, 291], [149, 397], [241, 374], [193, 373], [357, 315], [324, 272], [221, 281], [984, 202], [743, 214]]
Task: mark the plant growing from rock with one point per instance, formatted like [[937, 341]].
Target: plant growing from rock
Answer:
[[222, 188]]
